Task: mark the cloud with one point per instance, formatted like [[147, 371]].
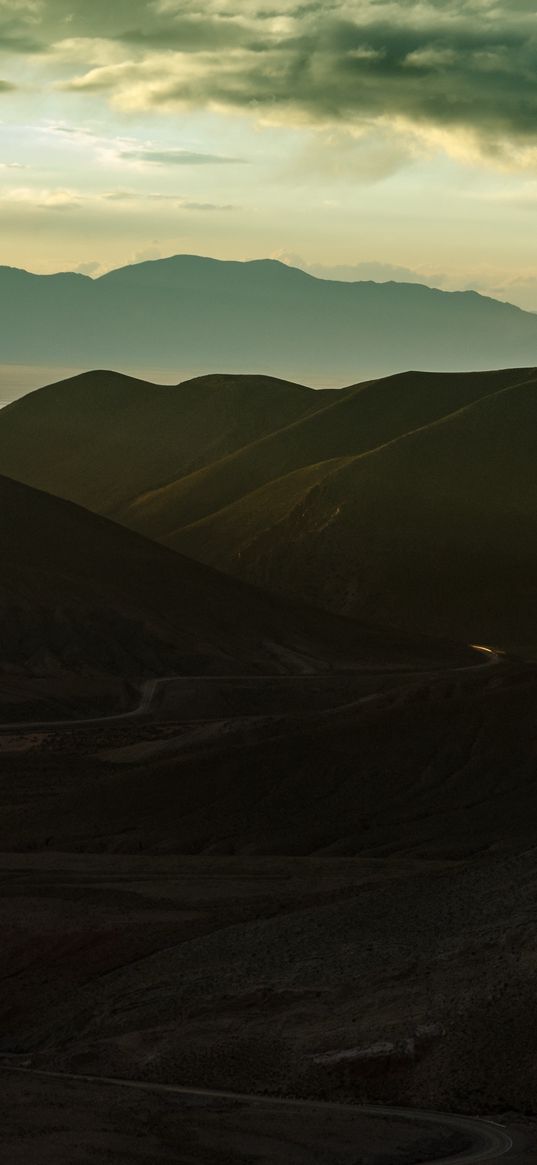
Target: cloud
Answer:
[[113, 201], [377, 271], [59, 200], [446, 63], [175, 199], [174, 157], [92, 267], [26, 196], [521, 290], [462, 74], [143, 153], [18, 20], [208, 206], [119, 195], [28, 8], [369, 155]]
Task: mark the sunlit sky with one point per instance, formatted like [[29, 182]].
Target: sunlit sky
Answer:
[[355, 138]]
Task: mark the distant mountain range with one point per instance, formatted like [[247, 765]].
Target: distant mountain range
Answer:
[[192, 314], [407, 502]]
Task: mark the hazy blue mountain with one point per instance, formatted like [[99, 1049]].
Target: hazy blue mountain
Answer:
[[201, 314]]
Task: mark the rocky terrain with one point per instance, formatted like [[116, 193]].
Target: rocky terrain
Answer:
[[404, 982], [335, 902]]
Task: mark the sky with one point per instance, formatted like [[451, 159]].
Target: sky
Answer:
[[373, 139]]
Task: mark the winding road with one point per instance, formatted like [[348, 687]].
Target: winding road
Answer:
[[149, 688], [490, 1141]]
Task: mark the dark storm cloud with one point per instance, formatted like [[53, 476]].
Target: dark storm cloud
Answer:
[[17, 33], [451, 63], [14, 41], [188, 35]]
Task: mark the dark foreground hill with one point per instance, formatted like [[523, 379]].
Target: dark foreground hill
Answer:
[[81, 594], [191, 313], [336, 904], [437, 764]]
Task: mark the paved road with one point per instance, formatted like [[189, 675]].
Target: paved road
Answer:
[[490, 1141], [149, 689]]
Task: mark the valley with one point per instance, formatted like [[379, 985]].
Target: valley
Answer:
[[268, 582], [267, 784]]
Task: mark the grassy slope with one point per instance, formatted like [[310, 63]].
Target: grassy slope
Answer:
[[101, 437], [407, 501], [79, 591], [346, 423], [435, 530]]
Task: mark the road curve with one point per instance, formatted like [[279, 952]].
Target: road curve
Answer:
[[490, 1141], [149, 688], [147, 695]]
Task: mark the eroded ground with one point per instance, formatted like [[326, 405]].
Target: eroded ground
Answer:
[[335, 898], [390, 981], [58, 1122]]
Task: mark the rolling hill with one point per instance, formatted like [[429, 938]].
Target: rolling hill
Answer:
[[88, 609], [159, 458], [324, 894], [189, 314], [435, 529], [80, 594], [100, 438], [407, 502], [346, 423]]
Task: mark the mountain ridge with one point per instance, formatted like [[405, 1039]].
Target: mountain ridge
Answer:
[[258, 264], [255, 265], [201, 314], [402, 502], [150, 429], [432, 395], [420, 531]]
